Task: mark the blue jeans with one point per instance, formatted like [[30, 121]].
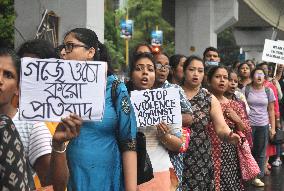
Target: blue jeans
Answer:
[[260, 136]]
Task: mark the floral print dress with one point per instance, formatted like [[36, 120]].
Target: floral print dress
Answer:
[[198, 173], [226, 163]]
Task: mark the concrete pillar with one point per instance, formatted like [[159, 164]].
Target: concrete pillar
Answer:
[[95, 17], [197, 23], [254, 55], [72, 14], [252, 40]]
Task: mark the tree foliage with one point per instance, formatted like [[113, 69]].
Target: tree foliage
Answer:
[[112, 38], [7, 18], [227, 46], [147, 16]]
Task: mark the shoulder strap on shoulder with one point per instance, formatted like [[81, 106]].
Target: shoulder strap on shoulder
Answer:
[[114, 86], [267, 91], [247, 89]]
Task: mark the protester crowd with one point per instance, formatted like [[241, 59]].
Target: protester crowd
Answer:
[[230, 116]]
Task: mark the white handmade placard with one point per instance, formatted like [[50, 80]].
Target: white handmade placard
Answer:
[[151, 107], [54, 88], [273, 51]]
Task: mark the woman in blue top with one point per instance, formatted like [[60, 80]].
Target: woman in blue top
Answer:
[[103, 156]]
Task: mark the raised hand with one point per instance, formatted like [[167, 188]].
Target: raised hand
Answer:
[[234, 138], [232, 115]]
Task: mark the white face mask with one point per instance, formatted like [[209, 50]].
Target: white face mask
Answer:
[[211, 63]]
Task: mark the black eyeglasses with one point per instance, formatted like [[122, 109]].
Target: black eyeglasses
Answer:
[[69, 46], [160, 66]]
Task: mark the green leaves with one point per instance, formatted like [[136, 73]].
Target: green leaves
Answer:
[[7, 18], [146, 15]]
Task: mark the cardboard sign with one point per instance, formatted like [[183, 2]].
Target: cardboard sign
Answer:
[[54, 88], [151, 107], [273, 51]]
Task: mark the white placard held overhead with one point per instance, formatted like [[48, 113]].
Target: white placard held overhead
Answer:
[[151, 107], [273, 51], [54, 88]]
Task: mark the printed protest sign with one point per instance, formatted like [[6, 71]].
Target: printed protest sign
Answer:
[[126, 28], [53, 88], [151, 107], [157, 38], [273, 51]]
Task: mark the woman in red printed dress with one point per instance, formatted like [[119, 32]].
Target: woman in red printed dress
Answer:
[[227, 174]]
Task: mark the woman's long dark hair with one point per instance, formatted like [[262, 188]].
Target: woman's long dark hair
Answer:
[[174, 62]]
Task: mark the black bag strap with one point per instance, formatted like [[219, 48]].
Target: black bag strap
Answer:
[[114, 86], [267, 91], [144, 166], [248, 87]]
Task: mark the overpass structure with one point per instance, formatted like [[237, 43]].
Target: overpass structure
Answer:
[[196, 22]]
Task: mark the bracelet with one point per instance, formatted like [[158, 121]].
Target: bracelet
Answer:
[[59, 151]]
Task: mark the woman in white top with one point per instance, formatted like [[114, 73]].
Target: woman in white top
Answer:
[[159, 138]]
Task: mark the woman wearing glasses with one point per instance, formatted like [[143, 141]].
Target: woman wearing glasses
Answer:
[[261, 102], [103, 156], [162, 72]]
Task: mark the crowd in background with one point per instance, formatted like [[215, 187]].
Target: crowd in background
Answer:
[[222, 108]]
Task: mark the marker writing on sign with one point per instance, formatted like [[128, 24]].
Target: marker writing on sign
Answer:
[[155, 108], [65, 94], [65, 90], [55, 107], [83, 72]]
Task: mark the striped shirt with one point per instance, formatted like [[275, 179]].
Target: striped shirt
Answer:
[[35, 137]]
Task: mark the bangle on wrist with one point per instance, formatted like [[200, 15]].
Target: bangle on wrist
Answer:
[[63, 147]]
